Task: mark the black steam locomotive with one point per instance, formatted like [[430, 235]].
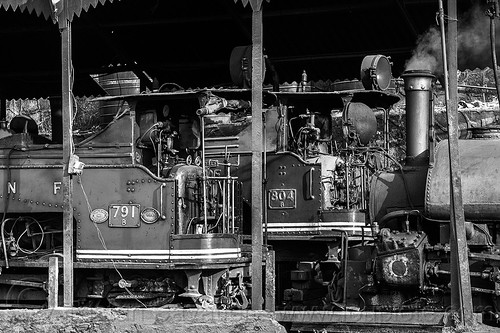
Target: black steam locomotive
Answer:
[[162, 197]]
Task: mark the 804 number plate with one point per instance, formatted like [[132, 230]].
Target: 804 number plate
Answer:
[[124, 216], [281, 198]]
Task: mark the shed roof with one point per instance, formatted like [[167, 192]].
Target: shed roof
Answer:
[[189, 42]]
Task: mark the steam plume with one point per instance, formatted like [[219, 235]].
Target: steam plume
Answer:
[[473, 44]]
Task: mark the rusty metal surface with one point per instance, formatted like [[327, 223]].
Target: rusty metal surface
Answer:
[[479, 161], [401, 259]]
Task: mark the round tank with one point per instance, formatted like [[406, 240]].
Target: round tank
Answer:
[[480, 178]]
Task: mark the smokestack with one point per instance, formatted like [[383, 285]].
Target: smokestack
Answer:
[[418, 90]]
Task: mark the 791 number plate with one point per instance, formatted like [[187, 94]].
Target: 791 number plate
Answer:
[[124, 216], [281, 198]]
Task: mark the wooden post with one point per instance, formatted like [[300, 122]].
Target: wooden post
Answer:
[[257, 144], [53, 286], [461, 295], [67, 186], [270, 281]]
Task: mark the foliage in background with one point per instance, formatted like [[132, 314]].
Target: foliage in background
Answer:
[[86, 114]]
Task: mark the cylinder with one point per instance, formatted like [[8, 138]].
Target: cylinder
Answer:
[[418, 90]]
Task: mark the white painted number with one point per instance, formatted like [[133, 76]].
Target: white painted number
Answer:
[[282, 195], [124, 211]]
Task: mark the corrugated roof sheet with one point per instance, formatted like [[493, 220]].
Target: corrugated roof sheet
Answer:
[[47, 9], [253, 3]]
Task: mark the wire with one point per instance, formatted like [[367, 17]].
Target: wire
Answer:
[[25, 232], [103, 242]]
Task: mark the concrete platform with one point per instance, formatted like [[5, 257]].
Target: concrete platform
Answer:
[[86, 320], [100, 320]]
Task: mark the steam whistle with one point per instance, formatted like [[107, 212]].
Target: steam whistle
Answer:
[[303, 81]]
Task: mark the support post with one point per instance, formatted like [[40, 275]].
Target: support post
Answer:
[[257, 144], [67, 186], [270, 281], [53, 282], [461, 295]]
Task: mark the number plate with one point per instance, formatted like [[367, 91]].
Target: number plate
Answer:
[[124, 216], [281, 199]]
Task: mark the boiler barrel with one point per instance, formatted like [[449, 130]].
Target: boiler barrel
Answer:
[[480, 178]]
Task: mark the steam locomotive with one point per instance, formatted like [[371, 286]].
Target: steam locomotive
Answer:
[[162, 196]]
